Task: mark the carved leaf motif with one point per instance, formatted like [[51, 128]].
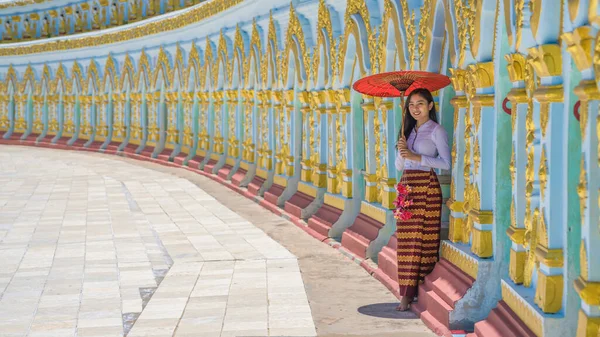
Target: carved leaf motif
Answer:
[[543, 172]]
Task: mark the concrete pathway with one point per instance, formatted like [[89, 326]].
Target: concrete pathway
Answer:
[[98, 245]]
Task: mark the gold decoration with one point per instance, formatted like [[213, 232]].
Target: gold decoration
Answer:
[[409, 24], [295, 43], [324, 37], [579, 45], [582, 190], [549, 292], [425, 26], [458, 258], [169, 23]]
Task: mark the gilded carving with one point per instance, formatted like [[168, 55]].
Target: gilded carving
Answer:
[[425, 25], [295, 42], [146, 29], [324, 37], [460, 259], [579, 45]]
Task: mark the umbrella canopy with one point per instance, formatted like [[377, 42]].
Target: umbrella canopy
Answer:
[[399, 83]]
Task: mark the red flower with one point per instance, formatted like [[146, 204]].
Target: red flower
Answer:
[[402, 203]]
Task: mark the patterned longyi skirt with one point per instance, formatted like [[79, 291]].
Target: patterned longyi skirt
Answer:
[[419, 237]]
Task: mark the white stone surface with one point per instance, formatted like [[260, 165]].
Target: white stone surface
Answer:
[[85, 239]]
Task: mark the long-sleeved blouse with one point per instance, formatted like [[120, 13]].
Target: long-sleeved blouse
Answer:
[[431, 142]]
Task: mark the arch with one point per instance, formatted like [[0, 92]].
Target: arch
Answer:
[[296, 44], [275, 69], [179, 69], [222, 70], [194, 64], [127, 73], [163, 66], [46, 80], [207, 69], [10, 79], [142, 78], [61, 83], [109, 79], [321, 59], [355, 42], [482, 42], [92, 79], [239, 54], [77, 77], [252, 62], [28, 81], [393, 54]]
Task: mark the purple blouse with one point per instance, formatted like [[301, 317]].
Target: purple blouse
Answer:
[[431, 142]]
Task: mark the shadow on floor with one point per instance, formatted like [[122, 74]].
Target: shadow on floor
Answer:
[[386, 310]]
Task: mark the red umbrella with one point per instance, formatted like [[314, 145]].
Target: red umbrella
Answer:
[[395, 83]]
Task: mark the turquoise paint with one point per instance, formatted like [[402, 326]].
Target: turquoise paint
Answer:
[[572, 241]]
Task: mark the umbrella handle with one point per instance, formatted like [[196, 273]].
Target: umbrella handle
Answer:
[[402, 112]]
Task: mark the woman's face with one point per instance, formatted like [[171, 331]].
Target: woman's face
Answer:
[[419, 108]]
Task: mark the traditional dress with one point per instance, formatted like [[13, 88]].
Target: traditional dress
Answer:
[[419, 237]]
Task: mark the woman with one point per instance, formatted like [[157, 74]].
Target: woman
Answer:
[[422, 146]]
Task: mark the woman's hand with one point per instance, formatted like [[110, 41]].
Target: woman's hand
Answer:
[[401, 144], [407, 154]]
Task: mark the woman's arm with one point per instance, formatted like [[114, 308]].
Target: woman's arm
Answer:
[[440, 139]]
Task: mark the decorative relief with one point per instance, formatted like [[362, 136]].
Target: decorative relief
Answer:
[[460, 259], [164, 25], [295, 39]]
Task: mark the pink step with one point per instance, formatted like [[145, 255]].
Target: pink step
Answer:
[[358, 237], [224, 171], [112, 147], [273, 193], [255, 185], [238, 176], [147, 151], [502, 322], [180, 158], [297, 203], [208, 167], [130, 148], [323, 220], [440, 291], [195, 162], [387, 259], [164, 155]]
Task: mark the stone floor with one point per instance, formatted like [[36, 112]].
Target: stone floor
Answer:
[[98, 245]]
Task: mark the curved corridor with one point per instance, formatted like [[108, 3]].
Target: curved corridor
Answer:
[[93, 245]]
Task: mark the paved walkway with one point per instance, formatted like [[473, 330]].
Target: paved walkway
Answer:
[[98, 245]]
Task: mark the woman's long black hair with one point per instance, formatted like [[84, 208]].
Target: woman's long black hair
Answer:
[[409, 121]]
